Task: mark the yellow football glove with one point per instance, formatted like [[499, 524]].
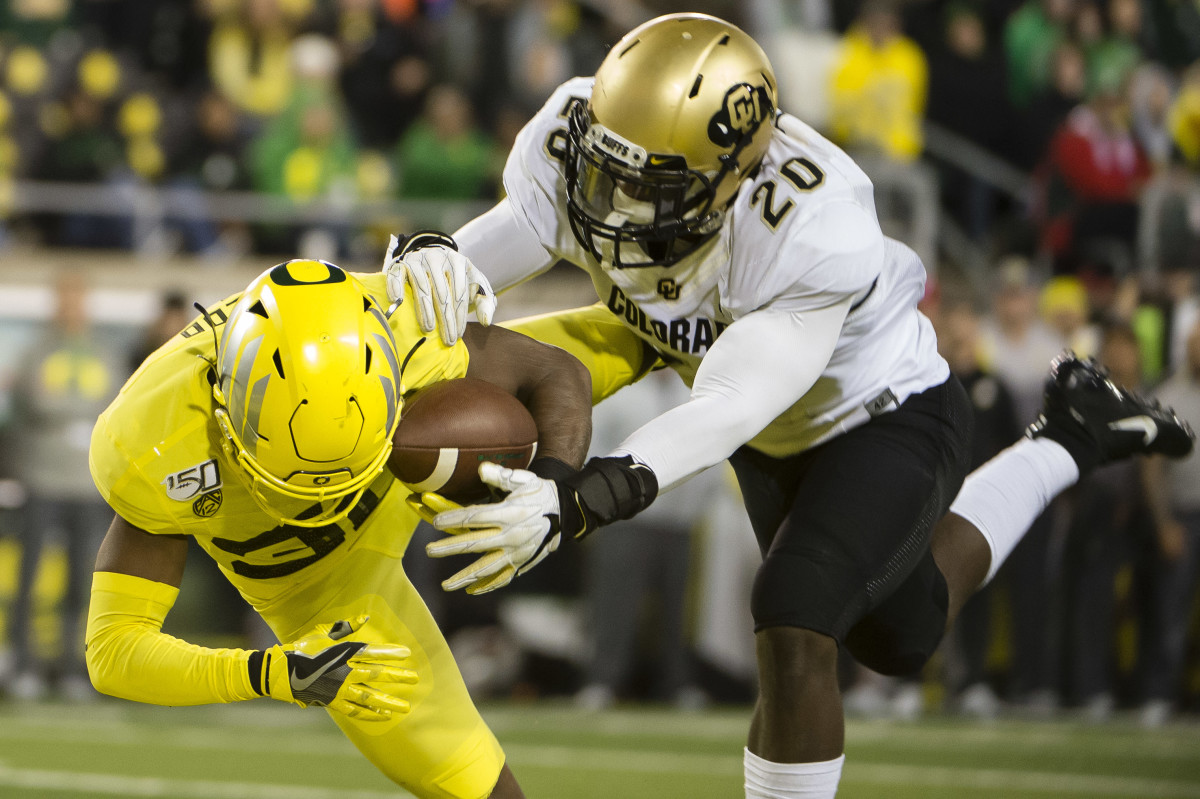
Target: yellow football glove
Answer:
[[362, 680], [428, 505]]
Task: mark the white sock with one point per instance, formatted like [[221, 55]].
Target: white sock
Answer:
[[767, 780], [1004, 496]]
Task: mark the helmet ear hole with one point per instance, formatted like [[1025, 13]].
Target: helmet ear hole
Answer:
[[367, 365], [278, 361], [260, 310]]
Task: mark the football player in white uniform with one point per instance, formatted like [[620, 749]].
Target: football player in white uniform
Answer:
[[743, 250]]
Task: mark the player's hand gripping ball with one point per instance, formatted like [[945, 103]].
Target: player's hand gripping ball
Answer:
[[511, 536]]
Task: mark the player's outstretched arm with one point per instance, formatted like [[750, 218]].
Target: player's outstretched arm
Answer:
[[738, 391], [557, 390], [550, 382], [134, 587]]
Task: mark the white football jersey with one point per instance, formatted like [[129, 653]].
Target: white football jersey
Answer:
[[800, 235]]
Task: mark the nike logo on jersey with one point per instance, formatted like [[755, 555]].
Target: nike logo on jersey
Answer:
[[688, 336], [1137, 424], [306, 670]]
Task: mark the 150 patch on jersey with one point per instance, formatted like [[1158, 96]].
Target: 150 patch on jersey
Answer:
[[183, 485]]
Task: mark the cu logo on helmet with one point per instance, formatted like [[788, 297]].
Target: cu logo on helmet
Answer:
[[742, 106], [743, 111]]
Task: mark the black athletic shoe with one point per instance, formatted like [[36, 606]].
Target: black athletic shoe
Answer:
[[1097, 421]]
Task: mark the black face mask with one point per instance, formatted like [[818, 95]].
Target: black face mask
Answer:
[[630, 217]]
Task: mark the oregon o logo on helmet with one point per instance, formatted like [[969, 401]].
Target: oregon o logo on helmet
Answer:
[[307, 272], [743, 110], [321, 480]]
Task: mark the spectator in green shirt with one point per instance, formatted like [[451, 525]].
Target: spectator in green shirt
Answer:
[[1110, 41], [444, 155], [1031, 36]]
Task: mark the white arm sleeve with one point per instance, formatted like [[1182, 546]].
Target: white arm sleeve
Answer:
[[503, 246], [743, 383]]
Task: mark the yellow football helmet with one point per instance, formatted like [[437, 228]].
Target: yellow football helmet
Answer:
[[681, 112], [308, 391]]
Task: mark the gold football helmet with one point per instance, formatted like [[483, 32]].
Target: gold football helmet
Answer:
[[308, 391], [681, 112]]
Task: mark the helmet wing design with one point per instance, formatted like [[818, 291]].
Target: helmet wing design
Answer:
[[308, 390]]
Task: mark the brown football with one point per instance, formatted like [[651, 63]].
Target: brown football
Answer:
[[449, 428]]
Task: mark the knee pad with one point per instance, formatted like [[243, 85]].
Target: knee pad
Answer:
[[796, 590], [899, 636], [879, 649]]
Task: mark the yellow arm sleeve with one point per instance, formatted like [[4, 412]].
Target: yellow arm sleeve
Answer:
[[614, 355], [129, 656]]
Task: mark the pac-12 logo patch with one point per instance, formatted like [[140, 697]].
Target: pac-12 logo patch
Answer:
[[207, 504], [193, 481]]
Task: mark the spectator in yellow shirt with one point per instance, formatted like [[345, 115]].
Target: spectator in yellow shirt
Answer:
[[879, 86]]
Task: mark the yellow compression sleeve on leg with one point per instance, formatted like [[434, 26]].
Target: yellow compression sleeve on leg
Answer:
[[129, 656]]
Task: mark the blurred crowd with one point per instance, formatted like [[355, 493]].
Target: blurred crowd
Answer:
[[346, 101], [1094, 106], [359, 101]]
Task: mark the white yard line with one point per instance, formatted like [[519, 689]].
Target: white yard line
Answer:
[[637, 761], [1128, 740], [317, 735], [190, 738], [1046, 782], [255, 732], [118, 785], [616, 761], [1124, 738], [1059, 784]]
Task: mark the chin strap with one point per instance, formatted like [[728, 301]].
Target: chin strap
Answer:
[[603, 491]]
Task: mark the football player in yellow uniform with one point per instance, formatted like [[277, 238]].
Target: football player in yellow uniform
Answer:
[[263, 431]]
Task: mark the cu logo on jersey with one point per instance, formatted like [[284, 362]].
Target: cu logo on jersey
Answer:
[[183, 485], [668, 289], [744, 109]]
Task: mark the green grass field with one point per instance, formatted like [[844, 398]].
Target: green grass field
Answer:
[[261, 751]]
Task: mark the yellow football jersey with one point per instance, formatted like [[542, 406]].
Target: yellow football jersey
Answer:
[[157, 457]]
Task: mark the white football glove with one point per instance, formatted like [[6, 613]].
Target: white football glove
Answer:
[[515, 534], [447, 285]]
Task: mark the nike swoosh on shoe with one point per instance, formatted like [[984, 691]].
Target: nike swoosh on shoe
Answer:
[[1135, 424]]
